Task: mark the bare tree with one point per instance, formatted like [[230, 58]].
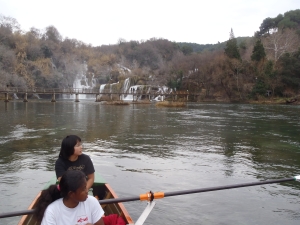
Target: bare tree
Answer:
[[279, 42], [8, 59], [10, 23]]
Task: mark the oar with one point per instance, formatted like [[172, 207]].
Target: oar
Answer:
[[17, 213], [150, 196]]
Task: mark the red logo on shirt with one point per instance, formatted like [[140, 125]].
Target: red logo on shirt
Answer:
[[82, 219]]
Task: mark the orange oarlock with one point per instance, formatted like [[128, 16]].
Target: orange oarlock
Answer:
[[149, 196], [158, 195]]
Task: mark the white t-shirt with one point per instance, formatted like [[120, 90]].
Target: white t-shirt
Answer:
[[85, 212]]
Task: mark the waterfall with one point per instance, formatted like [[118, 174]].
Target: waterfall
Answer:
[[94, 81], [111, 87], [124, 70], [125, 88], [130, 92], [102, 86], [36, 96], [162, 90], [83, 82], [126, 85], [15, 96]]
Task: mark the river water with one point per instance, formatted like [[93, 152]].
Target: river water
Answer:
[[138, 148]]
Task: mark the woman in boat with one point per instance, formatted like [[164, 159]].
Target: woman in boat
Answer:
[[72, 158], [69, 202]]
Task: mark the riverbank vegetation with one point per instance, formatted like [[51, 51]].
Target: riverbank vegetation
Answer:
[[170, 104], [263, 67], [116, 103]]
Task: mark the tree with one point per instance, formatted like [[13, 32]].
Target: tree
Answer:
[[280, 42], [231, 49], [258, 52], [278, 19], [290, 19], [10, 23], [33, 48], [121, 41], [259, 88], [8, 26], [186, 49], [34, 32], [68, 45], [271, 77], [289, 67], [52, 34], [267, 25], [8, 59]]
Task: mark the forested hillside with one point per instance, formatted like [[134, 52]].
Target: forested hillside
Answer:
[[194, 47], [243, 68]]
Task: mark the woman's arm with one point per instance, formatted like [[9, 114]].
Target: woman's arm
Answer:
[[59, 168], [90, 181]]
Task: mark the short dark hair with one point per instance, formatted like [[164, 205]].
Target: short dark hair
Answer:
[[67, 146]]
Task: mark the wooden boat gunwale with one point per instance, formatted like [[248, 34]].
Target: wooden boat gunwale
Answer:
[[122, 207], [23, 218]]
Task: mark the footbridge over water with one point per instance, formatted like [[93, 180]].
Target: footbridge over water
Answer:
[[138, 94]]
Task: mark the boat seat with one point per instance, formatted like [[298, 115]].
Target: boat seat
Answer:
[[107, 196]]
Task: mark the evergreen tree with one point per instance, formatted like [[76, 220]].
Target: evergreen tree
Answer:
[[187, 49], [267, 25], [260, 87], [289, 70], [258, 52], [231, 49]]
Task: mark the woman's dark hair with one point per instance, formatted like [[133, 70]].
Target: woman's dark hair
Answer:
[[71, 180], [67, 146]]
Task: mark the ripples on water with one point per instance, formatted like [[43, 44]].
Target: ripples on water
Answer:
[[138, 148], [20, 132]]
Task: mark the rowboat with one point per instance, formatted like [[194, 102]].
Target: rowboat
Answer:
[[100, 190]]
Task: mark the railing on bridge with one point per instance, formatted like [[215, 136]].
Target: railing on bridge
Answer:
[[82, 91], [51, 90]]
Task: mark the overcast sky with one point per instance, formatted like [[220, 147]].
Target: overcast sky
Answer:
[[99, 22]]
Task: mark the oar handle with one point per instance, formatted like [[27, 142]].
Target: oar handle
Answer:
[[17, 213]]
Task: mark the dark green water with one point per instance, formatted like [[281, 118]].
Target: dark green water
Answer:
[[138, 148]]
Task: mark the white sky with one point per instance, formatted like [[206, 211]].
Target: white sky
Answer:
[[98, 22]]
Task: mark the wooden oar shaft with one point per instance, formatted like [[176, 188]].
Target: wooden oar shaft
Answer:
[[167, 194]]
